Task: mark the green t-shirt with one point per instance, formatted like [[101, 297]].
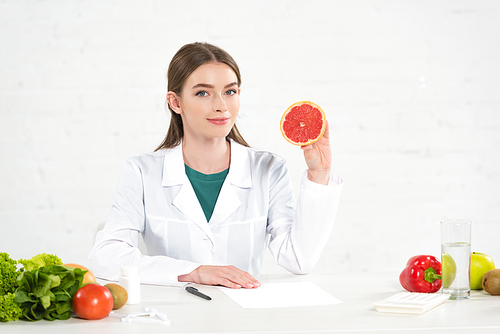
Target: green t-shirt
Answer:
[[206, 187]]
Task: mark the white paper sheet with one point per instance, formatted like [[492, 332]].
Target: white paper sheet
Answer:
[[273, 295]]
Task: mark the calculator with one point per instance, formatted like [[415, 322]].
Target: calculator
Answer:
[[411, 302]]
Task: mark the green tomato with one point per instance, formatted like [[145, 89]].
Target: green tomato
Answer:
[[449, 270]]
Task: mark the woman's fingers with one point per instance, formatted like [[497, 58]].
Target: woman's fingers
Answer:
[[228, 276], [318, 158]]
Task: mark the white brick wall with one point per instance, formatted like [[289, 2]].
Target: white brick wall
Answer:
[[411, 90]]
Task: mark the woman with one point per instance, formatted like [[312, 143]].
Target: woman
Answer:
[[205, 203]]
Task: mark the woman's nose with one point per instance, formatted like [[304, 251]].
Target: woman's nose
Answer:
[[219, 104]]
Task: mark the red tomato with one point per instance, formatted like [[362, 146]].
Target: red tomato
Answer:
[[93, 301]]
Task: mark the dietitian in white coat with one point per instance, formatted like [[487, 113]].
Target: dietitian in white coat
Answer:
[[255, 209]]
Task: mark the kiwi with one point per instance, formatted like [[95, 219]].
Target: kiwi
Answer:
[[491, 282], [119, 293]]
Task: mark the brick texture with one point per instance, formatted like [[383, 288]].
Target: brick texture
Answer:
[[411, 90]]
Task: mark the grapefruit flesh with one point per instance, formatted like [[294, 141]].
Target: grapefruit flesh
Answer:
[[303, 123]]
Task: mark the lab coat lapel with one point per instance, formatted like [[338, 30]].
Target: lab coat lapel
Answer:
[[174, 179], [239, 179]]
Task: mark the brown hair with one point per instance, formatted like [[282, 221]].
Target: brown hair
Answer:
[[186, 61]]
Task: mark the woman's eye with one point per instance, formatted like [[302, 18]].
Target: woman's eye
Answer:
[[231, 92], [202, 93]]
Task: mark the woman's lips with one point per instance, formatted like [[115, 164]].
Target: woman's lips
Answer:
[[219, 120]]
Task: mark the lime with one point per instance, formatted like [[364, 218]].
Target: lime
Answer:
[[449, 270]]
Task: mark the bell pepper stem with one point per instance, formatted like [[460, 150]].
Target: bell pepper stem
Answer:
[[431, 275]]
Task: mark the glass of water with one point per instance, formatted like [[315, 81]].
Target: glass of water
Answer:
[[455, 257]]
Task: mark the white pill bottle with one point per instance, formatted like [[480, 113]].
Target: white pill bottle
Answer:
[[129, 279]]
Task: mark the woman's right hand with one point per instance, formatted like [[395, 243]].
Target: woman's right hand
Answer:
[[228, 276]]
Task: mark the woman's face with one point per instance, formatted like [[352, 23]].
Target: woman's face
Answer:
[[209, 101]]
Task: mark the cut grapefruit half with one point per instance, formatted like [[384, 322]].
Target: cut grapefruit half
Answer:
[[303, 123]]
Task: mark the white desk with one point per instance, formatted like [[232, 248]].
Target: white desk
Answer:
[[191, 314]]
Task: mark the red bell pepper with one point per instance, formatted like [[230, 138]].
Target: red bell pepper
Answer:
[[422, 274]]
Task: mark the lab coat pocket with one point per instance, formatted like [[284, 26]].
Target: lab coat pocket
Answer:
[[244, 242], [154, 235]]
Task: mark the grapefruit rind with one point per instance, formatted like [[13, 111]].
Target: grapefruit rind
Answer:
[[309, 141]]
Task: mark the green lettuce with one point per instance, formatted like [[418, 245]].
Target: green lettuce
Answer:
[[8, 274], [47, 292], [9, 310], [40, 260]]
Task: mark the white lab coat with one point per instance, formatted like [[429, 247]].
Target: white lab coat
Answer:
[[255, 210]]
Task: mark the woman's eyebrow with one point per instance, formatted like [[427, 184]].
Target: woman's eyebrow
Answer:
[[231, 84], [204, 85]]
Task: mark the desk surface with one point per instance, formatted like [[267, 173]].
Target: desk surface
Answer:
[[358, 292]]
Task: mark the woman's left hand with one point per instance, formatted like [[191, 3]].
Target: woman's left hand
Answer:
[[319, 158]]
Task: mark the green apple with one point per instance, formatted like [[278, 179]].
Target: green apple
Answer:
[[479, 264], [449, 270]]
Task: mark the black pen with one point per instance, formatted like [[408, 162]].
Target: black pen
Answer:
[[195, 291]]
